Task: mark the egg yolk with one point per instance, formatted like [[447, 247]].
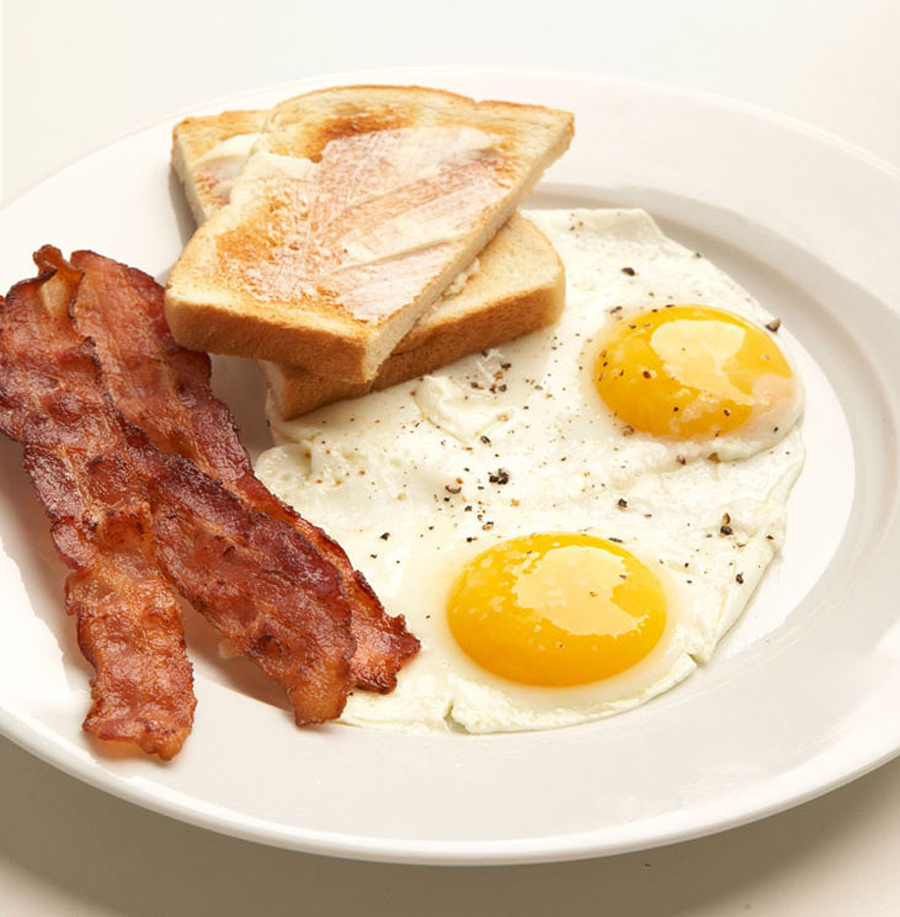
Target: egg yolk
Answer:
[[556, 609], [690, 371]]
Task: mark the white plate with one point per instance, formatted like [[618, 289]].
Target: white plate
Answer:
[[802, 696]]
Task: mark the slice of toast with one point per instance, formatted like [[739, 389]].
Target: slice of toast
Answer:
[[515, 286], [356, 209]]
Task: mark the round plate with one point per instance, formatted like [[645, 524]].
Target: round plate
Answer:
[[802, 696]]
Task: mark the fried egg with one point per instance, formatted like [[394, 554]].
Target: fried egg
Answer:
[[570, 522]]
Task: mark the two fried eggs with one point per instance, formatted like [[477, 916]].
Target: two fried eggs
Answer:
[[570, 522]]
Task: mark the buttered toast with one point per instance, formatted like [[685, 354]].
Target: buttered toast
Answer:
[[516, 285], [209, 153], [356, 209]]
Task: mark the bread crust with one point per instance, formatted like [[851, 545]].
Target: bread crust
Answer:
[[320, 333]]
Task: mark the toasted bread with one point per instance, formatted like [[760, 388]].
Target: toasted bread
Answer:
[[209, 153], [515, 286], [356, 209]]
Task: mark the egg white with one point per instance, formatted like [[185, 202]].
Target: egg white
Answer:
[[417, 480]]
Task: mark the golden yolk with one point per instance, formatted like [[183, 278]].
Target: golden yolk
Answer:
[[690, 371], [556, 610]]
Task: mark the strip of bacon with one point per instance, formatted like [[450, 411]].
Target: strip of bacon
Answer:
[[258, 581], [164, 389], [128, 619], [252, 576]]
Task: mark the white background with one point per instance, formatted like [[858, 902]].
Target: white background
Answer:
[[79, 75]]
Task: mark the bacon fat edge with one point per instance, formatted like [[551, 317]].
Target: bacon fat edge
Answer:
[[165, 390]]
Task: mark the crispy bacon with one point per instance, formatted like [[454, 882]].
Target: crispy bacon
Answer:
[[257, 580], [128, 619], [164, 389], [252, 576]]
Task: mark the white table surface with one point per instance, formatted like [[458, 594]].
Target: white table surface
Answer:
[[78, 75]]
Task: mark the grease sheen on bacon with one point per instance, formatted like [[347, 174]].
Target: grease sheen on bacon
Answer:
[[128, 619], [164, 389]]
